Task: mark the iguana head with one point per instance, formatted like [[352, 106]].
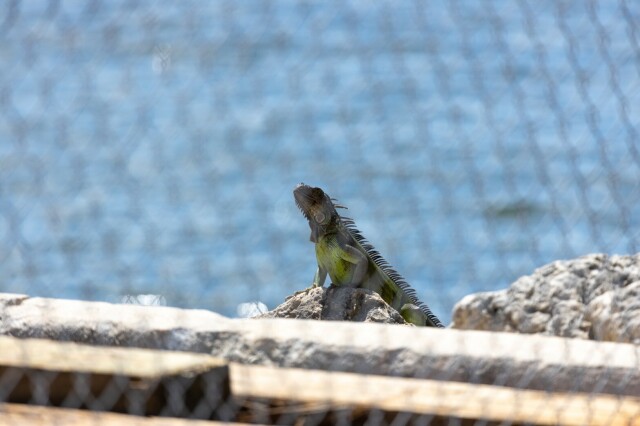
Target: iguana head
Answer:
[[318, 208]]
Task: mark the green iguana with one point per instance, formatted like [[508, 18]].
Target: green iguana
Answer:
[[344, 254]]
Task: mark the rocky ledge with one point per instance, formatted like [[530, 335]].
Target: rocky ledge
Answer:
[[337, 304], [593, 297]]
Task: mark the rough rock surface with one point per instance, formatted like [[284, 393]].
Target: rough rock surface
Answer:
[[592, 297], [337, 304]]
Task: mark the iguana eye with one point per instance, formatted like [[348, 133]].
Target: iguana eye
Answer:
[[319, 217]]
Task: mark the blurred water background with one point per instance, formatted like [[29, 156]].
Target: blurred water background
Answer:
[[151, 147]]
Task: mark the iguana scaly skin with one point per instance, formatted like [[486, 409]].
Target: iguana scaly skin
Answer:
[[349, 260]]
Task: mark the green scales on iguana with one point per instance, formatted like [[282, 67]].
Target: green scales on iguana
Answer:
[[346, 256]]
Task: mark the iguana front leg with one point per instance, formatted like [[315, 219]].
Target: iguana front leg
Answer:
[[359, 259], [320, 277]]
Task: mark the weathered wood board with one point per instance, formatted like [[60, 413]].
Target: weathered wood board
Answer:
[[33, 415], [135, 381]]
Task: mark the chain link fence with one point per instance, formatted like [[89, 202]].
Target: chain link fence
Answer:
[[148, 150], [147, 145]]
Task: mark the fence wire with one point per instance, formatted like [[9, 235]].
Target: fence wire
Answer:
[[148, 150]]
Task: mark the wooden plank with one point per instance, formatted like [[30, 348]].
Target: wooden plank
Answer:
[[66, 356], [448, 399], [19, 414], [134, 381]]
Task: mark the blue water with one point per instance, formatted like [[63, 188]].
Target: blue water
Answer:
[[151, 148]]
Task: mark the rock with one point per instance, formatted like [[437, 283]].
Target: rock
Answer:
[[110, 324], [484, 311], [615, 315], [337, 304], [8, 299], [592, 297]]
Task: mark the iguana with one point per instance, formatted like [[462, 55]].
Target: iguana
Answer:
[[349, 260]]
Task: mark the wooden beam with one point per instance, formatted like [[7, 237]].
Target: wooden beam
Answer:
[[128, 380], [319, 389], [66, 356], [19, 414]]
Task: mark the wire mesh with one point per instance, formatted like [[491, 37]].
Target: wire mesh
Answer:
[[148, 150]]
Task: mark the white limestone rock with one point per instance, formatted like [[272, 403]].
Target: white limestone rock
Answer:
[[592, 297]]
